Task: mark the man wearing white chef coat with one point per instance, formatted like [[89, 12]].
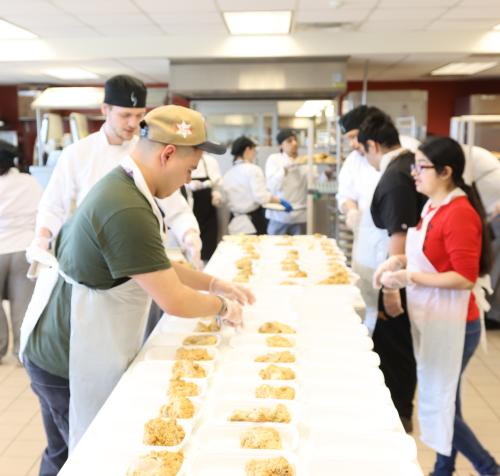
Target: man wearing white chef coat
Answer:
[[286, 178], [356, 184], [86, 319], [85, 162]]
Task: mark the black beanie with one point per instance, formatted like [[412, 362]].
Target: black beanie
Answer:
[[8, 153], [284, 134], [125, 91]]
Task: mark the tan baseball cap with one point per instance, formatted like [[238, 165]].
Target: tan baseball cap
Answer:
[[178, 125]]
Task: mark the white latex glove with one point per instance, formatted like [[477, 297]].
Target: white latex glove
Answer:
[[41, 242], [392, 302], [195, 185], [216, 198], [396, 279], [207, 183], [391, 264], [352, 218], [234, 314], [231, 291], [192, 243]]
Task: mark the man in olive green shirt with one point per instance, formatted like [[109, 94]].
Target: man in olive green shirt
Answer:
[[111, 259]]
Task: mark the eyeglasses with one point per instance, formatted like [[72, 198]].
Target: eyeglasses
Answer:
[[417, 168]]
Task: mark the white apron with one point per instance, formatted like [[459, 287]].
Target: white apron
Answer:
[[438, 319], [107, 330], [241, 224], [370, 249]]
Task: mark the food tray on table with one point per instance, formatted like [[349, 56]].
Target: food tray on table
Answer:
[[220, 411], [231, 464], [238, 389], [157, 351], [228, 436]]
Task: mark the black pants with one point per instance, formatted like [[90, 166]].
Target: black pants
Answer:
[[155, 313], [53, 394], [392, 342], [259, 220]]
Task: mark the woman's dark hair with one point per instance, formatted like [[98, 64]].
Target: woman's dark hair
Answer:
[[239, 146], [446, 152], [8, 153]]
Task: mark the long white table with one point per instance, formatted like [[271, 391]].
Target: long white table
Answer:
[[343, 420]]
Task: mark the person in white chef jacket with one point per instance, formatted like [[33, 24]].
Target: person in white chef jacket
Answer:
[[204, 196], [356, 183], [84, 163], [287, 179], [245, 191], [20, 194]]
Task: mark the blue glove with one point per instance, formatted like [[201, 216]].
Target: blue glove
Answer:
[[288, 207]]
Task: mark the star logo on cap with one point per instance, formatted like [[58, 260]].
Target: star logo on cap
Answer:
[[184, 129]]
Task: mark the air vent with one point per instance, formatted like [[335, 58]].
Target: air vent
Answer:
[[321, 26]]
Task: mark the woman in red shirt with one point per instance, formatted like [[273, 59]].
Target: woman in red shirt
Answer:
[[445, 254]]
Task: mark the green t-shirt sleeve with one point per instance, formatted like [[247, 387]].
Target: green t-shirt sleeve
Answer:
[[131, 243]]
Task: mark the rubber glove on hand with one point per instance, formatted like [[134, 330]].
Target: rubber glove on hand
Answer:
[[195, 185], [233, 315], [392, 302], [391, 264], [396, 279], [287, 205], [39, 242], [231, 291], [192, 243], [352, 218], [216, 198]]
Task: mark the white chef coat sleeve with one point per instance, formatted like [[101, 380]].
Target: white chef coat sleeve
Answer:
[[214, 172], [485, 168], [347, 181], [275, 173], [59, 195], [260, 193], [178, 215]]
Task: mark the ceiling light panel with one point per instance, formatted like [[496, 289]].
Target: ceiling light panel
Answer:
[[258, 22], [463, 69], [8, 31]]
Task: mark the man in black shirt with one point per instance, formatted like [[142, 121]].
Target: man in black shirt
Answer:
[[396, 206]]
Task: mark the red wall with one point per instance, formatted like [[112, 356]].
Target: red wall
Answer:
[[442, 96]]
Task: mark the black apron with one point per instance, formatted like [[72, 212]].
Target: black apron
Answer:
[[206, 214], [259, 220]]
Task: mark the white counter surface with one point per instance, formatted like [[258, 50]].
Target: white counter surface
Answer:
[[343, 420]]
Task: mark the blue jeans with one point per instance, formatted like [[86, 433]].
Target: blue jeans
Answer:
[[279, 228], [53, 393], [464, 440]]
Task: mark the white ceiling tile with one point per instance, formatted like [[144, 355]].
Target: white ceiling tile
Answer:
[[28, 7], [478, 3], [462, 25], [327, 5], [193, 7], [187, 19], [420, 3], [29, 20], [97, 6], [474, 13], [195, 29], [383, 26], [124, 20], [255, 5], [65, 32], [129, 31], [346, 14], [398, 13]]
